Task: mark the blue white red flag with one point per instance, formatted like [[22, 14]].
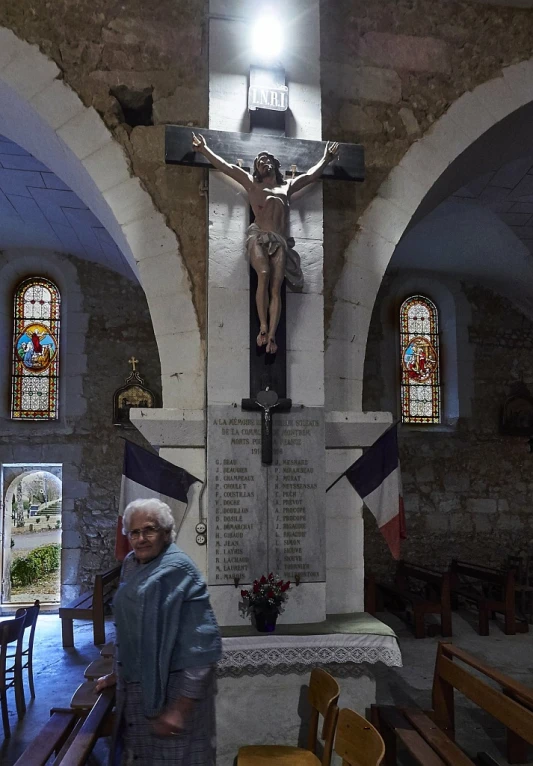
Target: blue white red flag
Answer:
[[146, 475], [376, 478]]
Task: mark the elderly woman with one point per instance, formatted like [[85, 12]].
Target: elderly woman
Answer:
[[168, 643]]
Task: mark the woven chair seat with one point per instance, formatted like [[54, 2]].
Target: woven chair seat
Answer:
[[268, 755]]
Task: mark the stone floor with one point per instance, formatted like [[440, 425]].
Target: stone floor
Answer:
[[58, 672]]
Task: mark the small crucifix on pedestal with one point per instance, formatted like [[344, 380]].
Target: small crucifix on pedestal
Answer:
[[266, 401]]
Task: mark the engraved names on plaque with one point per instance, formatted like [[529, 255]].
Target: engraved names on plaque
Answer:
[[265, 518], [237, 503], [296, 496]]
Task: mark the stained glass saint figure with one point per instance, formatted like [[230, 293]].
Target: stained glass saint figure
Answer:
[[35, 382]]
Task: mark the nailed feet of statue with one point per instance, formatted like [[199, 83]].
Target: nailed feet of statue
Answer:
[[263, 339], [272, 346]]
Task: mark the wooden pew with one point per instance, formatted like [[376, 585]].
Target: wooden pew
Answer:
[[490, 590], [71, 733], [511, 704], [90, 606], [432, 598], [50, 739], [97, 723]]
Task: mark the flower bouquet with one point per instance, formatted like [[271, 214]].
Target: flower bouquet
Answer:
[[264, 601]]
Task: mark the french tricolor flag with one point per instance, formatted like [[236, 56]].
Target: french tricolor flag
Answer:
[[146, 475], [376, 478]]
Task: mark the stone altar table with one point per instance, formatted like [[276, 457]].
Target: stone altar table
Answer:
[[274, 709]]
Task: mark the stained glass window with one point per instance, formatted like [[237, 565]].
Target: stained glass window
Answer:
[[36, 350], [419, 347]]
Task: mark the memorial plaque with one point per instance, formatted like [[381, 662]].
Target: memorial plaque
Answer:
[[296, 496], [265, 518], [237, 502]]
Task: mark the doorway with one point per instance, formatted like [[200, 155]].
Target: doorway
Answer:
[[31, 532]]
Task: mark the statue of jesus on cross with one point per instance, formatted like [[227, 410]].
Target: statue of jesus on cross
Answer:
[[271, 252]]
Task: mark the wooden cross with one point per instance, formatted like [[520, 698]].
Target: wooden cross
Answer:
[[296, 155], [133, 363], [268, 379]]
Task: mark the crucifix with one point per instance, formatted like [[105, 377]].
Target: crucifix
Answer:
[[266, 401], [134, 362], [255, 160]]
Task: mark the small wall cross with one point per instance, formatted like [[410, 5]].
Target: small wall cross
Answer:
[[133, 363]]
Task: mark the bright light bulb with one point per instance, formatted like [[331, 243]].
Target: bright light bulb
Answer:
[[267, 37]]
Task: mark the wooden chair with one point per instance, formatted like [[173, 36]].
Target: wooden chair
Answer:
[[357, 742], [11, 631], [32, 612], [323, 697]]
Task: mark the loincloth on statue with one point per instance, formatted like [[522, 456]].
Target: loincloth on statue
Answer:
[[270, 241]]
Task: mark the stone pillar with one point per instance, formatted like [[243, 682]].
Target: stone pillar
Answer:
[[228, 341]]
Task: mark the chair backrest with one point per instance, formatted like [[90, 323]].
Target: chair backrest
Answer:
[[357, 742], [32, 612], [323, 696], [10, 630]]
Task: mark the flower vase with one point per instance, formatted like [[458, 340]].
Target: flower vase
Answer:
[[265, 621]]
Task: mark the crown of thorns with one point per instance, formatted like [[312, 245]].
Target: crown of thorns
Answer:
[[275, 162]]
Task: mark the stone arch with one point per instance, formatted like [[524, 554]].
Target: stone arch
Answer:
[[48, 119], [384, 222]]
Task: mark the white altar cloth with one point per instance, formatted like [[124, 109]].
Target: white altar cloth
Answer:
[[341, 639], [274, 651]]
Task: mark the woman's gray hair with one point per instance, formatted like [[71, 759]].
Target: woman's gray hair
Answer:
[[154, 507]]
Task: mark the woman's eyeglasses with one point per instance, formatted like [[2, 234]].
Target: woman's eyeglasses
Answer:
[[147, 532]]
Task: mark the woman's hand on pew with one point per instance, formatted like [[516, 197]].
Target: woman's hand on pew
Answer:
[[104, 681]]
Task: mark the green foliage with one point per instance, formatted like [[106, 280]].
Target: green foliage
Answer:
[[26, 570]]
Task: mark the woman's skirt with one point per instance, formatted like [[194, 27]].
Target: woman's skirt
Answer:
[[196, 746]]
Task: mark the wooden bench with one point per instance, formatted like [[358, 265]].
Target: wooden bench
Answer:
[[490, 590], [432, 598], [511, 704], [90, 606], [71, 734]]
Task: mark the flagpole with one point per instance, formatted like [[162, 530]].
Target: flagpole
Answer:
[[392, 425]]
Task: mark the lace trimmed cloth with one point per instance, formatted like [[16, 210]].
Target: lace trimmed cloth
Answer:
[[269, 653]]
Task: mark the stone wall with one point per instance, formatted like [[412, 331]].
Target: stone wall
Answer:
[[140, 66], [389, 71], [105, 320], [468, 489]]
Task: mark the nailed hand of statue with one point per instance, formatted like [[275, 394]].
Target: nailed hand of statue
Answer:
[[332, 150], [198, 142]]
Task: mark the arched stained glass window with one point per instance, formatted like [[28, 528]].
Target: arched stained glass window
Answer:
[[419, 347], [36, 350]]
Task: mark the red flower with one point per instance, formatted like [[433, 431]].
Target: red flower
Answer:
[[263, 580], [270, 594], [271, 576], [285, 587], [280, 584], [256, 587], [245, 593]]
